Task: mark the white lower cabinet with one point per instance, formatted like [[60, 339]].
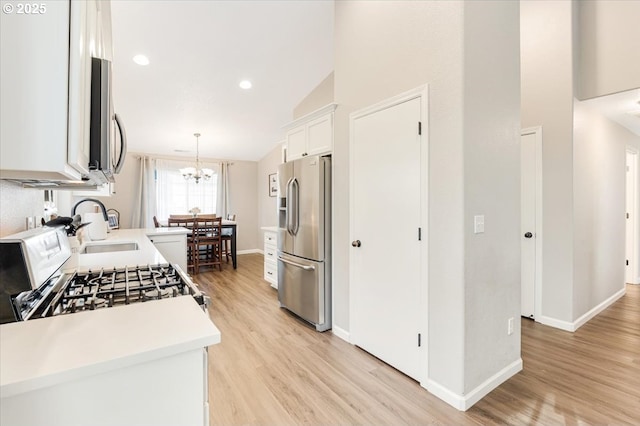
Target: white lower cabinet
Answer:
[[164, 392], [173, 248], [271, 258]]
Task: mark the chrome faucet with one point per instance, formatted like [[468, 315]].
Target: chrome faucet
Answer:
[[98, 202]]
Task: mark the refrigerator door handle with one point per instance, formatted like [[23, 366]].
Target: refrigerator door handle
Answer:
[[295, 199], [289, 207], [299, 265]]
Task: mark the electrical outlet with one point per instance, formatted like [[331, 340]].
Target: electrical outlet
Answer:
[[510, 323], [29, 222]]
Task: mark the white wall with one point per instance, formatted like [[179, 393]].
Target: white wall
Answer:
[[599, 200], [243, 201], [320, 96], [547, 100], [373, 43], [491, 187], [564, 49], [609, 45], [267, 213], [385, 48], [16, 204]]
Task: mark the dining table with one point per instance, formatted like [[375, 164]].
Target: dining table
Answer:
[[226, 224]]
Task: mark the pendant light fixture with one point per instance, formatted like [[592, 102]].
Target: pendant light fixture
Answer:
[[197, 172]]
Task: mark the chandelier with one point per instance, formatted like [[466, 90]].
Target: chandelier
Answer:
[[196, 172]]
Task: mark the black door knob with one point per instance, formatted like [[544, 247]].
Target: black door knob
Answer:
[[528, 235], [355, 243]]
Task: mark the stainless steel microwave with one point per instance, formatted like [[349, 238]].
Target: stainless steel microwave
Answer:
[[106, 157]]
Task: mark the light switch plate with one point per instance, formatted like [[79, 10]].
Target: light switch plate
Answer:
[[478, 224]]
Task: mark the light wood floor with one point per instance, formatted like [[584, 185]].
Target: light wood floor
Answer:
[[271, 369]]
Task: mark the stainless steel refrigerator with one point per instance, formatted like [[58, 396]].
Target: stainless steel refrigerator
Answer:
[[304, 239]]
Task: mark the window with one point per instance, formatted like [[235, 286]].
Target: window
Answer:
[[175, 195]]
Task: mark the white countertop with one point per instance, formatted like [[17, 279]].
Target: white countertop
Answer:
[[145, 255], [44, 352], [165, 230], [270, 228]]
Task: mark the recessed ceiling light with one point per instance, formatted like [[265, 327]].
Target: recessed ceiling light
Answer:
[[245, 84], [141, 60]]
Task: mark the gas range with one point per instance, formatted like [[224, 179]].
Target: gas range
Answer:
[[26, 292], [105, 288]]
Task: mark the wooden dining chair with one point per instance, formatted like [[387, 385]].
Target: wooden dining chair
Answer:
[[206, 216], [208, 243], [192, 258], [226, 238], [181, 216]]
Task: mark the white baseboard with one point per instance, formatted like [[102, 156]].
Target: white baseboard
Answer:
[[556, 323], [464, 402], [448, 396], [341, 333], [596, 310], [249, 251], [573, 326], [491, 383]]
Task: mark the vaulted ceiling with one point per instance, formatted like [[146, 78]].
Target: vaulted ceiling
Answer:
[[199, 51]]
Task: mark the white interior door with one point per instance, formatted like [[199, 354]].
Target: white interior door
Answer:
[[631, 188], [528, 223], [385, 220]]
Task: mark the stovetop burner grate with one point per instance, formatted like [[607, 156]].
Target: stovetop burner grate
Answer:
[[96, 289]]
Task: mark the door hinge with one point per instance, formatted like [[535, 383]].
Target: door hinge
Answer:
[[419, 339], [419, 127], [419, 234]]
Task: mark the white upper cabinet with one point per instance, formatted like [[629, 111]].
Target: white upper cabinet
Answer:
[[296, 142], [311, 134], [46, 87], [320, 135]]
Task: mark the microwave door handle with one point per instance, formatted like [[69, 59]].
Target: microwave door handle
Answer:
[[123, 144]]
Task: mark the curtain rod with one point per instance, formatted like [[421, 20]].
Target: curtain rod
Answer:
[[161, 157]]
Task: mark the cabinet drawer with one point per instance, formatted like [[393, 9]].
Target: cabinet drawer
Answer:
[[270, 253], [270, 238], [271, 272]]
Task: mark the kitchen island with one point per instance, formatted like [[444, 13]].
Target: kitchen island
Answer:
[[141, 363]]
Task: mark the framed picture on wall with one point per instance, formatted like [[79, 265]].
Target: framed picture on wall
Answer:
[[273, 185]]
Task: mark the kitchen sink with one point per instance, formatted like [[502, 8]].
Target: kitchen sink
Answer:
[[109, 247]]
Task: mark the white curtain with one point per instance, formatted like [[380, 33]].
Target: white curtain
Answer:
[[175, 195], [223, 190], [145, 201]]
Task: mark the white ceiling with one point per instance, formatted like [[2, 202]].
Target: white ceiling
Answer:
[[199, 51], [622, 107]]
